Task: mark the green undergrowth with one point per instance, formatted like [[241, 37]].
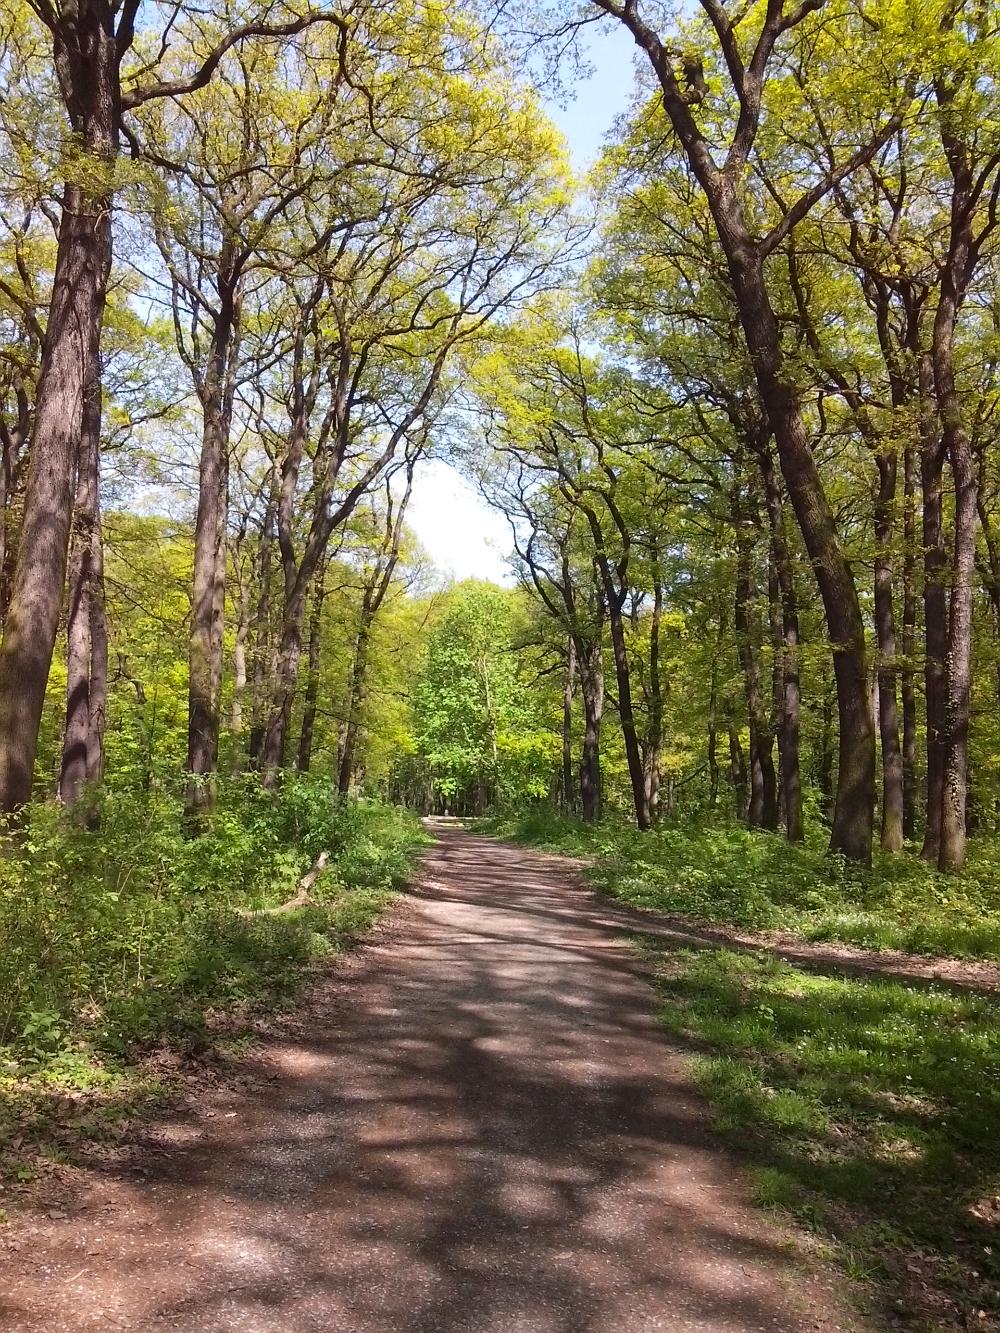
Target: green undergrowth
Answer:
[[868, 1110], [725, 874], [137, 937]]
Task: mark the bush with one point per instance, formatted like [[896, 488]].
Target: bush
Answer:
[[134, 931]]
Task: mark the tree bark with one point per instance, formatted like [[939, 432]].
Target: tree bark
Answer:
[[86, 633], [762, 811], [652, 741], [907, 690], [86, 56], [738, 773], [885, 634], [589, 663], [356, 701], [626, 713], [209, 585], [791, 703], [935, 611], [567, 785], [311, 696]]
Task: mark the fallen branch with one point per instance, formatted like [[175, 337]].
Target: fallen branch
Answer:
[[301, 897]]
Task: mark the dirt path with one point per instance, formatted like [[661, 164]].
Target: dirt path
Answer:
[[478, 1128]]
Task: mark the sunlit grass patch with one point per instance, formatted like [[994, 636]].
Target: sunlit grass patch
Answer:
[[869, 1110]]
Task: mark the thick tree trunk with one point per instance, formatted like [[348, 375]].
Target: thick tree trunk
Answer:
[[261, 640], [86, 54], [907, 689], [626, 714], [762, 811], [853, 812], [652, 744], [240, 662], [790, 712], [957, 704], [935, 612], [209, 585], [355, 701], [72, 347], [86, 636], [589, 661], [567, 785], [885, 634], [311, 696], [285, 681], [738, 774]]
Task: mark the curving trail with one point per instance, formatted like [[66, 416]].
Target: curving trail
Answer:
[[475, 1126]]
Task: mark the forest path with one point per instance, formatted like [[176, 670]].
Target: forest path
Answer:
[[474, 1125]]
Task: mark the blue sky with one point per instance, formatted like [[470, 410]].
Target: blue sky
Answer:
[[461, 534]]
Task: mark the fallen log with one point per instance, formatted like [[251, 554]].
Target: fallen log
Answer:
[[301, 897]]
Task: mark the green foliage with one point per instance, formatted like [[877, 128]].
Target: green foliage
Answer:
[[724, 873], [477, 731], [869, 1109], [134, 931]]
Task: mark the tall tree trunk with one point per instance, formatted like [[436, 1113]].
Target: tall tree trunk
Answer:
[[907, 690], [652, 746], [853, 815], [589, 662], [261, 638], [713, 736], [762, 811], [285, 680], [790, 712], [355, 701], [958, 697], [885, 634], [935, 611], [72, 347], [566, 789], [208, 593], [86, 636], [738, 774], [240, 661], [626, 713], [311, 696]]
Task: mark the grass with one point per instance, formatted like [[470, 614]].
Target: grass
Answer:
[[724, 874], [136, 939], [868, 1110]]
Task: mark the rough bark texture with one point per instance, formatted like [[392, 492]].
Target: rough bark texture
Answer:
[[762, 811], [590, 665], [86, 631], [567, 786], [885, 635], [86, 56], [209, 584], [935, 612], [958, 448], [652, 741], [310, 698], [791, 704], [907, 688]]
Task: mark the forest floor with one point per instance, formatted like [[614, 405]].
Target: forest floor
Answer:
[[473, 1122]]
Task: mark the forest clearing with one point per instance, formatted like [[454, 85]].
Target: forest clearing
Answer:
[[499, 665]]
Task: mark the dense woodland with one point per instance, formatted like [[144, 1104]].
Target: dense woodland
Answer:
[[736, 391]]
